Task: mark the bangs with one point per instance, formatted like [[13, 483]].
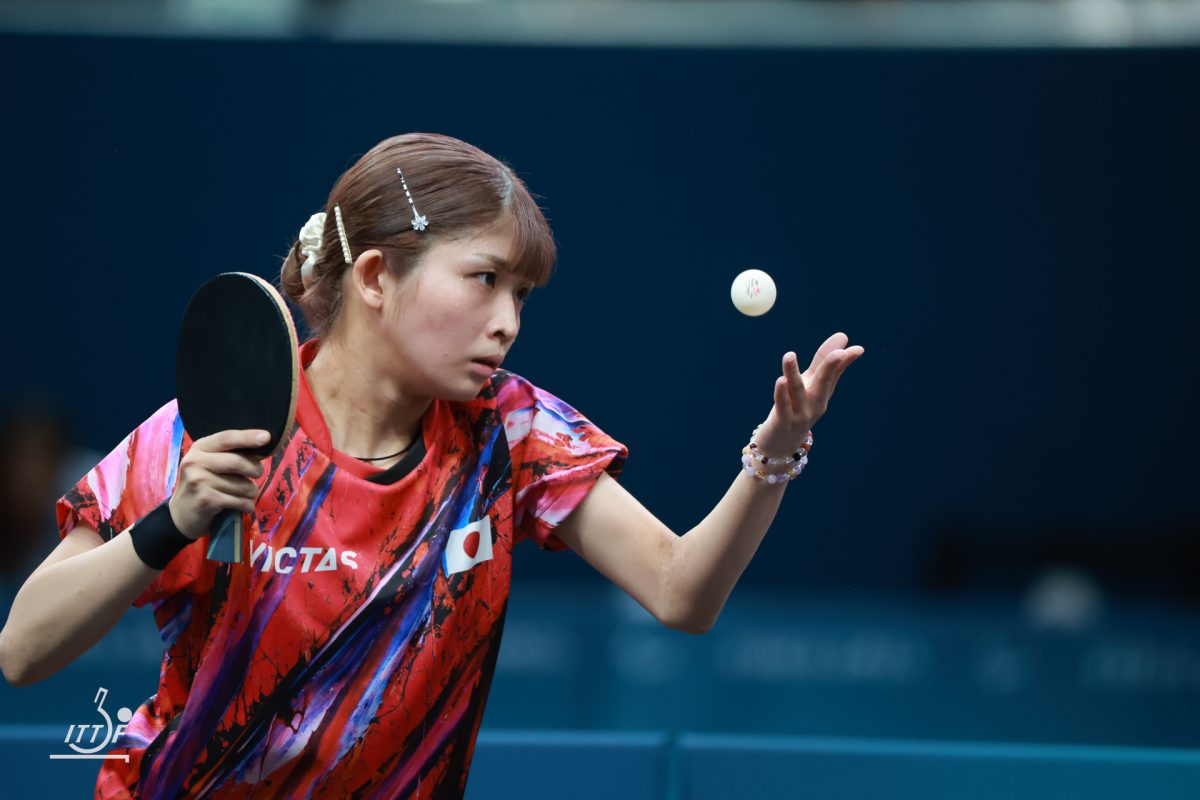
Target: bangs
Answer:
[[534, 251]]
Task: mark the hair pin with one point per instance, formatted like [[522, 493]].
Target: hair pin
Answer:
[[419, 222]]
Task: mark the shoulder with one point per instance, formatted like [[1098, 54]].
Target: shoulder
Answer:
[[503, 401], [512, 395], [507, 392], [164, 428], [515, 402], [166, 417], [528, 409], [128, 482], [505, 384], [160, 430]]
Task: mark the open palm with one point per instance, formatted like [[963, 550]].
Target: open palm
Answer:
[[801, 398]]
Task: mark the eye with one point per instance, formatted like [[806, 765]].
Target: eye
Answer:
[[523, 295], [488, 277]]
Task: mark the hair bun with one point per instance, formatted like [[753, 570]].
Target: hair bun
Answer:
[[290, 281]]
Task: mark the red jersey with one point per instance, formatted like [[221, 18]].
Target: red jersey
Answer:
[[351, 653]]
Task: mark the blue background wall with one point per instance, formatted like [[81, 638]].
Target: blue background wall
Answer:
[[1010, 234]]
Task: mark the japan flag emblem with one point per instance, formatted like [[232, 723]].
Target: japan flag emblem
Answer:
[[468, 546]]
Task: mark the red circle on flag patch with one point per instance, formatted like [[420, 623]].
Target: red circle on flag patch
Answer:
[[470, 544]]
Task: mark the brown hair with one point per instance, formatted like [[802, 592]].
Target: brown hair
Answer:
[[459, 188]]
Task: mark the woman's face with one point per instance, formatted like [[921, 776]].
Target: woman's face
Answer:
[[454, 318]]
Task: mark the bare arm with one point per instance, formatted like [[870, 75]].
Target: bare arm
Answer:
[[67, 605], [84, 587], [684, 581]]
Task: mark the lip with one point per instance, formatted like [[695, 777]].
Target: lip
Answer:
[[494, 363], [483, 368]]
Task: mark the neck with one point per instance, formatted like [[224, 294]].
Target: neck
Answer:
[[367, 411]]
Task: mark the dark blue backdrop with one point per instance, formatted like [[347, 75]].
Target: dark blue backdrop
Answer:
[[1010, 234]]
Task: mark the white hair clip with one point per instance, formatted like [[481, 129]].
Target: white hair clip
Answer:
[[310, 238], [341, 226], [419, 222]]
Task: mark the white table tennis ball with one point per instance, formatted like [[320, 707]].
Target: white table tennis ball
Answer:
[[753, 292]]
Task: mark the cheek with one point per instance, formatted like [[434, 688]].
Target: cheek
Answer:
[[431, 335], [441, 301], [440, 321]]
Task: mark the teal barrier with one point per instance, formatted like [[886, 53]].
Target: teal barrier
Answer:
[[845, 769], [574, 764], [585, 658], [650, 766], [29, 770]]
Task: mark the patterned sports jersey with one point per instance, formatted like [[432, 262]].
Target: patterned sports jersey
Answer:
[[351, 653]]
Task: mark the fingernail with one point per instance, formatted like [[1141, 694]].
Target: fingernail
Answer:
[[261, 437]]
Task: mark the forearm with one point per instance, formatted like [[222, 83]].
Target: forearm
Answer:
[[684, 581], [708, 560], [67, 607]]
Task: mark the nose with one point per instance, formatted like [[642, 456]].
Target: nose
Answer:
[[506, 320]]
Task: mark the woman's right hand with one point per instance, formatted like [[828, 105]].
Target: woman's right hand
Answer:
[[212, 478]]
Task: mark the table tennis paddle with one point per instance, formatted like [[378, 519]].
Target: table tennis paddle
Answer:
[[236, 367]]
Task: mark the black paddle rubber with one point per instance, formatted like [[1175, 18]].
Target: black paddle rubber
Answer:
[[237, 367]]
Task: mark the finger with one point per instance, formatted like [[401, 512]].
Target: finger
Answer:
[[224, 441], [234, 487], [828, 368], [795, 381], [227, 501], [829, 345], [231, 464], [783, 402], [848, 357], [851, 355]]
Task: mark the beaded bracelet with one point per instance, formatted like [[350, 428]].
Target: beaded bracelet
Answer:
[[795, 463]]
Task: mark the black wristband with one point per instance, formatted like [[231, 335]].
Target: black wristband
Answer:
[[156, 540]]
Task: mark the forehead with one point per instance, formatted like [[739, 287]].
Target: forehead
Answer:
[[491, 248]]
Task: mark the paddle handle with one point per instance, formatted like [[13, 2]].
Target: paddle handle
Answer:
[[225, 543]]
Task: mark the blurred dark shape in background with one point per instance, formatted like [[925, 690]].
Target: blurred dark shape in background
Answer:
[[38, 463], [1158, 561]]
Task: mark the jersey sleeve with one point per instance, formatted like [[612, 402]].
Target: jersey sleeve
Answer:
[[129, 483], [557, 456]]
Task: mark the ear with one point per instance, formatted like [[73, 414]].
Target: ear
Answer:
[[369, 276]]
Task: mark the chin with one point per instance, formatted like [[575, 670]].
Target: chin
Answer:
[[463, 393]]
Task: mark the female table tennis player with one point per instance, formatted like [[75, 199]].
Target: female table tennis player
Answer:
[[351, 655]]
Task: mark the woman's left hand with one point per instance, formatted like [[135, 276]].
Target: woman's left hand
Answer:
[[802, 397]]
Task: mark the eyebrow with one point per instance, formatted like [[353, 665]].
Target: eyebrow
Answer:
[[497, 260], [503, 264]]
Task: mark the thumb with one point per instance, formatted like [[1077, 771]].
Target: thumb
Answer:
[[782, 402]]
